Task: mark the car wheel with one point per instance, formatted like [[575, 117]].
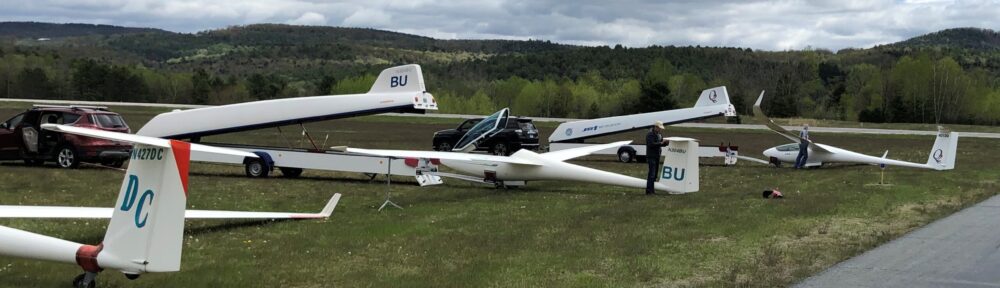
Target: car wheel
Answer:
[[255, 168], [499, 149], [290, 172], [67, 157], [444, 146], [626, 155]]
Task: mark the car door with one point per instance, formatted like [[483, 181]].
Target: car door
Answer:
[[9, 146]]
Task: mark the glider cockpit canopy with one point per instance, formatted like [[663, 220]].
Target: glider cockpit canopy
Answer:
[[486, 128]]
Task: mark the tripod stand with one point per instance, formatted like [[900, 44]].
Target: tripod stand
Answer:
[[388, 186]]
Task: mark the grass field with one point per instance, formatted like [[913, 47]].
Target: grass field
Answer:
[[546, 234]]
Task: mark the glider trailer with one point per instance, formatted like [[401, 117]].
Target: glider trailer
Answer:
[[397, 89], [713, 102]]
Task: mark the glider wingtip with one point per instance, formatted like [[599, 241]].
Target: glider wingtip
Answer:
[[339, 148], [332, 204]]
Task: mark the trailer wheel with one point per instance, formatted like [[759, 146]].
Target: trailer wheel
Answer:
[[289, 172], [626, 154], [255, 168]]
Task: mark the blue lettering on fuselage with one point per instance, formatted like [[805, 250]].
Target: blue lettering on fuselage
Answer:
[[128, 200]]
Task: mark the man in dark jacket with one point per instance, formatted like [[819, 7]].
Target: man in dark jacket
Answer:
[[654, 145]]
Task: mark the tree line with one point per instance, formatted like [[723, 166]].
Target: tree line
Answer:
[[888, 84]]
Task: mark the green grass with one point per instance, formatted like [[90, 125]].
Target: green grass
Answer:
[[545, 234]]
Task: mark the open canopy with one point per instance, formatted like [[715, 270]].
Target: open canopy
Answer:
[[484, 129]]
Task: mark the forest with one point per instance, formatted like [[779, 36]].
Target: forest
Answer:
[[950, 76]]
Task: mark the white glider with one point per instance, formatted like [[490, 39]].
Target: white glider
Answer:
[[942, 156], [679, 173], [147, 221]]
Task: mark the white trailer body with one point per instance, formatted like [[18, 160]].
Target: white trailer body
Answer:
[[628, 153], [287, 160], [713, 102]]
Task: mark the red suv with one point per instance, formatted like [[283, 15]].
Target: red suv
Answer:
[[21, 137]]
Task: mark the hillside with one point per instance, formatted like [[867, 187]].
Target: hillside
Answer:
[[958, 38], [52, 30], [944, 77]]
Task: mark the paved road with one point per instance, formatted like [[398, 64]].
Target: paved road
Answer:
[[462, 116], [961, 250]]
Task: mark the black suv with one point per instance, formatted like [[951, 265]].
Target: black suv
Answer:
[[519, 133]]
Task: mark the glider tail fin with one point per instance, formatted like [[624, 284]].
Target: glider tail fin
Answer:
[[406, 78], [146, 229], [945, 150], [680, 166], [714, 97]]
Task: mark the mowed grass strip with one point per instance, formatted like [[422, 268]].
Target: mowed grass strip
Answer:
[[545, 234]]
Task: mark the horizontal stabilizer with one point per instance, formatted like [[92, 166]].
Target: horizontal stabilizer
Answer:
[[138, 139], [62, 212]]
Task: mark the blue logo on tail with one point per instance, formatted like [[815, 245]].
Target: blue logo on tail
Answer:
[[398, 81], [672, 173], [131, 192]]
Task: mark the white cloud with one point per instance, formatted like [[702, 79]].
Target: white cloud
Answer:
[[770, 25], [309, 18], [365, 17]]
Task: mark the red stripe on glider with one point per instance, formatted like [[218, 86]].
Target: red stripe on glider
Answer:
[[182, 155]]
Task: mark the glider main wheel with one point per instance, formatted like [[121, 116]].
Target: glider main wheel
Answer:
[[626, 155], [443, 146], [499, 149], [289, 172], [67, 157], [79, 283], [255, 168]]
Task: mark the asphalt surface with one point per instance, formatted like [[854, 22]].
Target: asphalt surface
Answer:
[[961, 250], [543, 119]]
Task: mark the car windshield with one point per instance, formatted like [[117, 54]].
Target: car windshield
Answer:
[[108, 121], [468, 124], [484, 129], [10, 124]]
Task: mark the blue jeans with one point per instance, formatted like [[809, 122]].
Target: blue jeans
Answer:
[[800, 161], [654, 171]]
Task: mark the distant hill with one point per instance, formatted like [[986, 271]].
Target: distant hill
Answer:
[[53, 30], [313, 41], [976, 39]]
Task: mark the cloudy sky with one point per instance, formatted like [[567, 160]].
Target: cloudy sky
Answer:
[[770, 25]]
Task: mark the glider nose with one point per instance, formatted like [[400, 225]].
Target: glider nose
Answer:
[[770, 152]]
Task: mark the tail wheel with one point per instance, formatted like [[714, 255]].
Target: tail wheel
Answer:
[[67, 157], [256, 168], [289, 172], [626, 155]]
